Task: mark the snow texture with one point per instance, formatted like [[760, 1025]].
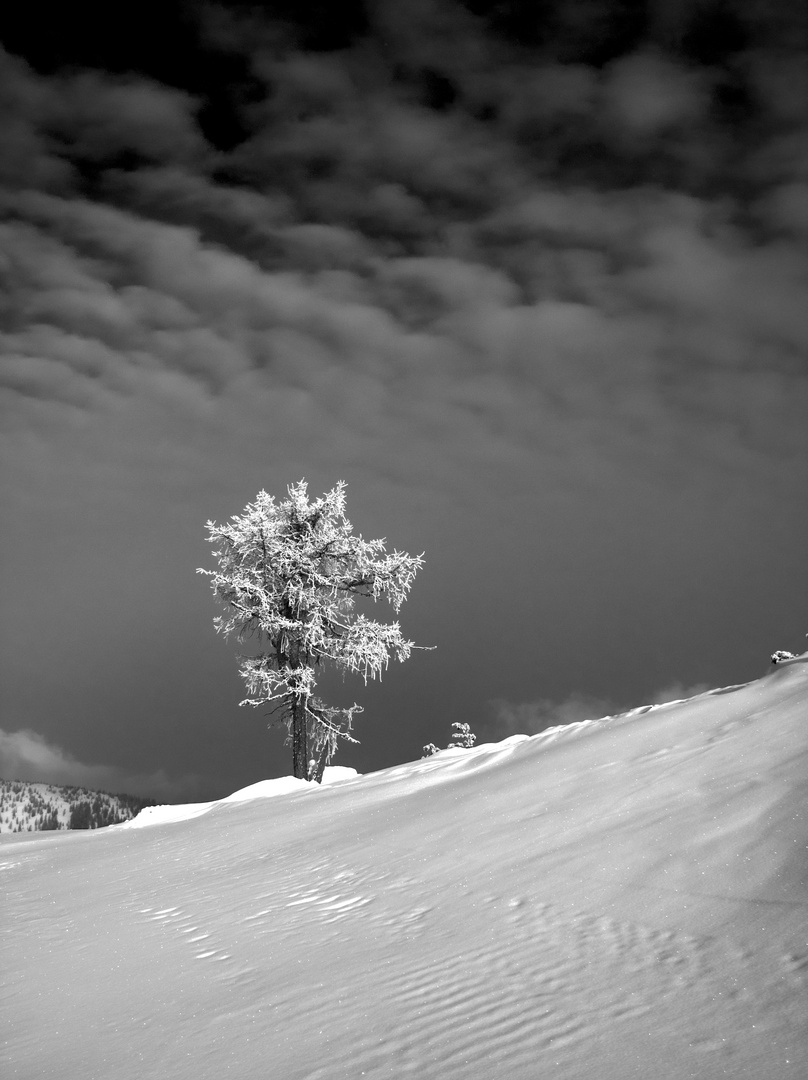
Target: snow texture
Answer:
[[622, 899]]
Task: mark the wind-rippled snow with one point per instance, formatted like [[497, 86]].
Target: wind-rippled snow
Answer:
[[623, 898]]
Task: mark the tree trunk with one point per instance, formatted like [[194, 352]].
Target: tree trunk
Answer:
[[319, 765], [300, 750]]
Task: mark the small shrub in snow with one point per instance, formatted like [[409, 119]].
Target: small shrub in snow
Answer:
[[463, 736], [782, 654]]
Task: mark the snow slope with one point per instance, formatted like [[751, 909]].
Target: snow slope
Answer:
[[623, 898]]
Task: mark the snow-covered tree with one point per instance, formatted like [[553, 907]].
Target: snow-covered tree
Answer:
[[462, 736], [782, 654], [290, 574]]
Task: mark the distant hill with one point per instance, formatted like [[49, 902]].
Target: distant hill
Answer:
[[29, 807]]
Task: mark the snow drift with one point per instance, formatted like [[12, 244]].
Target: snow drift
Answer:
[[622, 898]]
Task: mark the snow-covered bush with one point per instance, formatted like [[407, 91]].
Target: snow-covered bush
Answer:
[[463, 736], [782, 654]]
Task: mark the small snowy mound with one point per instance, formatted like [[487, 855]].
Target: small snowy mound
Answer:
[[284, 784], [264, 789]]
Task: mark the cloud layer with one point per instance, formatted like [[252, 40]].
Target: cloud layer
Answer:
[[415, 254], [26, 755]]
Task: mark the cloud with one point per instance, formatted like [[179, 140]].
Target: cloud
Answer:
[[548, 93], [97, 118], [236, 218], [26, 755], [27, 157], [532, 717], [648, 94], [784, 209], [678, 691], [575, 307], [56, 128]]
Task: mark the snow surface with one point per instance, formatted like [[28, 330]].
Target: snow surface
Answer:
[[622, 898], [264, 789]]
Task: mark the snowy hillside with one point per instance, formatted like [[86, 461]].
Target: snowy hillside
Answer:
[[621, 899], [30, 807]]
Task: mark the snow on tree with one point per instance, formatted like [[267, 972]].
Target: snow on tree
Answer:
[[462, 736], [289, 575]]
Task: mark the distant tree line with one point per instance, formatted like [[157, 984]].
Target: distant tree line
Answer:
[[31, 807]]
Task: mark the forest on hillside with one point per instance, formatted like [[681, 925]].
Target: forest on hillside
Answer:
[[31, 807]]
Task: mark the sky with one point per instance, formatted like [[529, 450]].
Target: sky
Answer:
[[533, 286], [461, 917]]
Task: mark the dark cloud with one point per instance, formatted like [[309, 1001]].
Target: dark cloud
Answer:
[[60, 131], [96, 119], [25, 755]]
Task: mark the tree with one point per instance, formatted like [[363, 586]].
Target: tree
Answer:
[[463, 736], [81, 816], [290, 574]]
